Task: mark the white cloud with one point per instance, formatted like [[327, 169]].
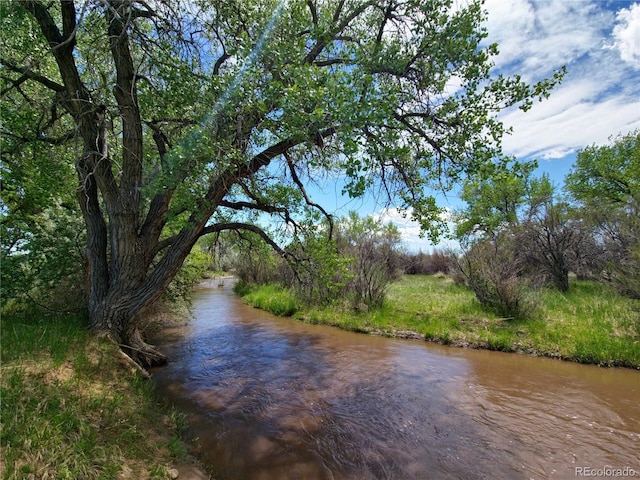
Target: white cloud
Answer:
[[627, 34], [410, 230], [569, 121], [538, 37], [600, 95]]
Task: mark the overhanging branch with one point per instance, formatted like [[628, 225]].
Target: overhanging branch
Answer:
[[253, 206], [50, 140], [238, 226], [296, 180], [219, 188]]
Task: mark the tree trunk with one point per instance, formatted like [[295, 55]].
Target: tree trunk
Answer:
[[132, 291], [116, 322], [119, 250]]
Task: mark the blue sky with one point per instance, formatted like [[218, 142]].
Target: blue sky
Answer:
[[599, 42]]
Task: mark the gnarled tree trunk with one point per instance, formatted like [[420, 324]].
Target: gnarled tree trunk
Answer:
[[121, 246]]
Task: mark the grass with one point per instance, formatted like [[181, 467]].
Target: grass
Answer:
[[271, 298], [589, 324], [71, 408]]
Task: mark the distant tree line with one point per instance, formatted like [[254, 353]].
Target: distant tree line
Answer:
[[520, 234]]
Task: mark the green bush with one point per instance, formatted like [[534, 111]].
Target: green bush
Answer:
[[495, 273]]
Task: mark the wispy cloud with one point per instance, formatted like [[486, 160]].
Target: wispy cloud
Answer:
[[600, 95]]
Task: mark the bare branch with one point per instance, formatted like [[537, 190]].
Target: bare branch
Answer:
[[332, 61], [219, 227], [254, 206], [258, 206]]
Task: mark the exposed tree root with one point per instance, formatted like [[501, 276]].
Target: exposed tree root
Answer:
[[141, 356], [130, 361], [144, 354]]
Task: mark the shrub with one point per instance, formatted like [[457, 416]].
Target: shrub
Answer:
[[426, 264], [373, 258], [494, 272]]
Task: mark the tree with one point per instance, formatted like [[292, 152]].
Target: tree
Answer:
[[607, 174], [373, 250], [605, 182], [549, 236], [184, 119], [496, 202]]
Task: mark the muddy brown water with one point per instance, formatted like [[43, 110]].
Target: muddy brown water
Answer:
[[272, 398]]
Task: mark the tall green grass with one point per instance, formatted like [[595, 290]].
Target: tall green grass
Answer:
[[71, 409], [272, 298], [590, 323], [41, 335]]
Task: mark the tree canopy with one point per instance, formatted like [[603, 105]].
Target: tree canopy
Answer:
[[496, 202], [605, 182], [182, 119], [608, 173]]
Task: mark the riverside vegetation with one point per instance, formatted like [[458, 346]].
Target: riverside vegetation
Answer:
[[590, 323], [74, 408]]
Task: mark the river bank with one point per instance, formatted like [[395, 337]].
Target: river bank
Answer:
[[277, 399], [590, 324], [73, 407]]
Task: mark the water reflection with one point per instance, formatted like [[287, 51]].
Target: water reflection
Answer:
[[271, 398]]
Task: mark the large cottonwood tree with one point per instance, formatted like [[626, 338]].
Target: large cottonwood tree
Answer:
[[178, 116]]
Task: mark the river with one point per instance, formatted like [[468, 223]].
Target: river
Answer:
[[273, 398]]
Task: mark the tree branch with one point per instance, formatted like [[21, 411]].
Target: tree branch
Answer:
[[27, 73], [330, 36], [314, 12], [52, 141], [296, 179], [219, 227], [253, 206], [126, 96]]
